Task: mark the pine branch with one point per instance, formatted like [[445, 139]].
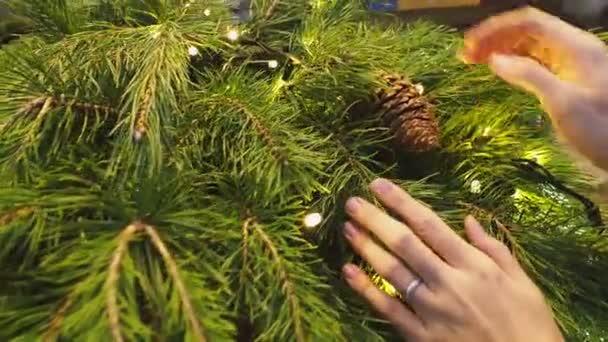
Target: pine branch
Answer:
[[36, 105], [55, 324], [288, 286], [125, 237], [593, 210], [141, 118], [179, 283], [273, 51], [270, 11], [280, 155], [83, 106], [111, 285], [245, 232], [15, 215]]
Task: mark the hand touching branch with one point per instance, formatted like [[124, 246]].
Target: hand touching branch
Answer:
[[454, 291]]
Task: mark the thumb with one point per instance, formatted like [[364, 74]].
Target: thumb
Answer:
[[527, 74]]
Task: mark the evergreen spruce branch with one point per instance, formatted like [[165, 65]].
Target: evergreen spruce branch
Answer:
[[141, 116], [295, 60], [245, 267], [173, 270], [288, 286], [36, 104], [111, 285], [592, 209], [125, 237], [15, 215], [58, 317], [271, 9], [276, 149], [54, 18]]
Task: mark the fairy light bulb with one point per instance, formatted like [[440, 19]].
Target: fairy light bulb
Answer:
[[233, 35], [273, 64], [207, 12], [138, 135], [476, 186], [518, 194], [486, 131], [313, 220], [193, 51]]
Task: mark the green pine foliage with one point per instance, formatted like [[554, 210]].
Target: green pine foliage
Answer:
[[155, 171]]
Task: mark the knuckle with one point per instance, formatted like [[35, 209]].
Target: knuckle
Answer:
[[423, 224], [490, 274], [405, 242], [392, 270], [424, 229]]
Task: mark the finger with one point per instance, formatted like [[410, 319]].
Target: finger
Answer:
[[398, 238], [385, 263], [424, 222], [526, 27], [493, 248], [529, 75], [408, 324]]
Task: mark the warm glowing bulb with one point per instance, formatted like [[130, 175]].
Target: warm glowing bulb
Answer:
[[419, 88], [233, 35], [273, 64], [207, 12], [475, 186], [193, 51], [518, 194], [486, 131], [313, 220], [138, 135]]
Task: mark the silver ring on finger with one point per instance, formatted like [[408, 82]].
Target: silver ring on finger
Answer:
[[411, 289]]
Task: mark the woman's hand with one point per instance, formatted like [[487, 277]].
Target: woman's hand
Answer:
[[467, 292], [566, 68]]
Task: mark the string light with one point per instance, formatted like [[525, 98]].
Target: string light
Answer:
[[419, 88], [193, 51], [138, 135], [313, 220], [476, 186], [273, 64], [540, 157], [233, 35], [518, 194], [207, 12]]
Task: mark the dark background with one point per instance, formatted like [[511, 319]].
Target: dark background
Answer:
[[462, 17], [467, 16]]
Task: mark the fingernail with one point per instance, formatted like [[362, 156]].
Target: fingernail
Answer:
[[350, 271], [350, 231], [381, 186], [353, 204]]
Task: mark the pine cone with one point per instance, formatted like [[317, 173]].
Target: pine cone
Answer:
[[409, 115]]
